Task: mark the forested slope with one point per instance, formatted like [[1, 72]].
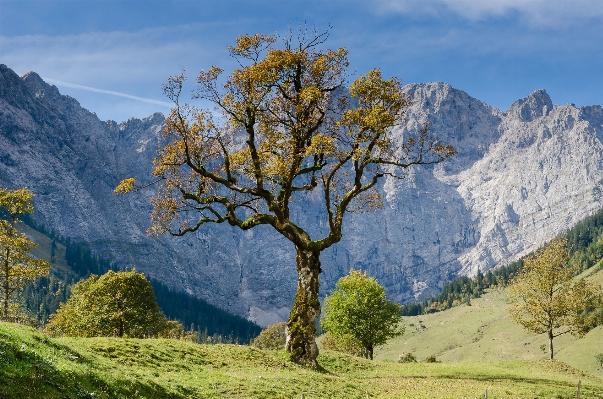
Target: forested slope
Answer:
[[584, 242], [71, 262]]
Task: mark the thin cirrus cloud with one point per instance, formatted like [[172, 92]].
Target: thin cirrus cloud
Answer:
[[113, 93], [116, 58], [497, 50], [537, 12], [97, 67]]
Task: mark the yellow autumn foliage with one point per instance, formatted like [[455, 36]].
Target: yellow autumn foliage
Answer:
[[284, 129], [545, 298], [17, 266]]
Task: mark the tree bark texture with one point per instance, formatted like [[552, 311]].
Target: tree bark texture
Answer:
[[551, 344], [301, 330], [6, 286]]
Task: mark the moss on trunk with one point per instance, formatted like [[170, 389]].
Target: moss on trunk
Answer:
[[301, 329]]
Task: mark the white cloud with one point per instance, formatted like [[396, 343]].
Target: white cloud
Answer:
[[135, 62], [538, 12], [113, 93], [131, 65]]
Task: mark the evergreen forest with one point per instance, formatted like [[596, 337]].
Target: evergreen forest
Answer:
[[42, 297], [585, 243]]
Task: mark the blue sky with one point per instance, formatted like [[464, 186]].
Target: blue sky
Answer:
[[497, 50]]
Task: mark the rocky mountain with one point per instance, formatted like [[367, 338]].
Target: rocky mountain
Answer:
[[520, 178]]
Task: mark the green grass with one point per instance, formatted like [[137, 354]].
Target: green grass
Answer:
[[480, 348], [483, 332], [35, 366]]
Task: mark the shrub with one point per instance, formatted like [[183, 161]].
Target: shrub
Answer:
[[272, 337], [431, 359], [173, 329], [116, 304], [16, 314], [407, 358]]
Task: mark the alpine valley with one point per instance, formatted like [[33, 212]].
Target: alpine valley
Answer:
[[520, 178]]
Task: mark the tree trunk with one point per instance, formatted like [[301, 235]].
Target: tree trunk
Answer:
[[5, 303], [370, 351], [6, 286], [301, 330], [551, 344]]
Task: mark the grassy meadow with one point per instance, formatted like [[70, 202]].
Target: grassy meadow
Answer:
[[484, 332], [478, 348], [35, 366]]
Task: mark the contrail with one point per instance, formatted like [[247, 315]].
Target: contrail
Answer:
[[113, 93]]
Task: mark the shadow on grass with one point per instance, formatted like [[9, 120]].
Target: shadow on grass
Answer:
[[70, 353], [24, 373], [320, 369]]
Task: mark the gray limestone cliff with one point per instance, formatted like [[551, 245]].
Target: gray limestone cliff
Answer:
[[520, 178]]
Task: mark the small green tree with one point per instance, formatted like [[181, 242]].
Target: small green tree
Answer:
[[349, 346], [272, 337], [17, 266], [358, 312], [117, 304], [546, 299]]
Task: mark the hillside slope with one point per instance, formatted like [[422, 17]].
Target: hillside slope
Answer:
[[484, 332], [33, 366], [70, 263]]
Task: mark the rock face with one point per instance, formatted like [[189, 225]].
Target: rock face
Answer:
[[520, 178]]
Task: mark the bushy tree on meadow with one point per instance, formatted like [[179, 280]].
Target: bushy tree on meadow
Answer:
[[546, 299], [116, 304], [358, 313], [272, 337]]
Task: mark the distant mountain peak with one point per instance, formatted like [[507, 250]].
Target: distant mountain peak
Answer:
[[42, 90], [531, 107], [34, 78]]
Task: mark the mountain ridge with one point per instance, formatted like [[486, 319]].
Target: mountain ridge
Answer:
[[521, 177]]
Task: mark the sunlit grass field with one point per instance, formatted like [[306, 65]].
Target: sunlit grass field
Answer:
[[35, 366], [484, 332], [478, 347]]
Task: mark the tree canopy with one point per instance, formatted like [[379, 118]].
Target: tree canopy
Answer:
[[272, 337], [290, 124], [116, 304], [545, 297], [17, 266], [358, 313]]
